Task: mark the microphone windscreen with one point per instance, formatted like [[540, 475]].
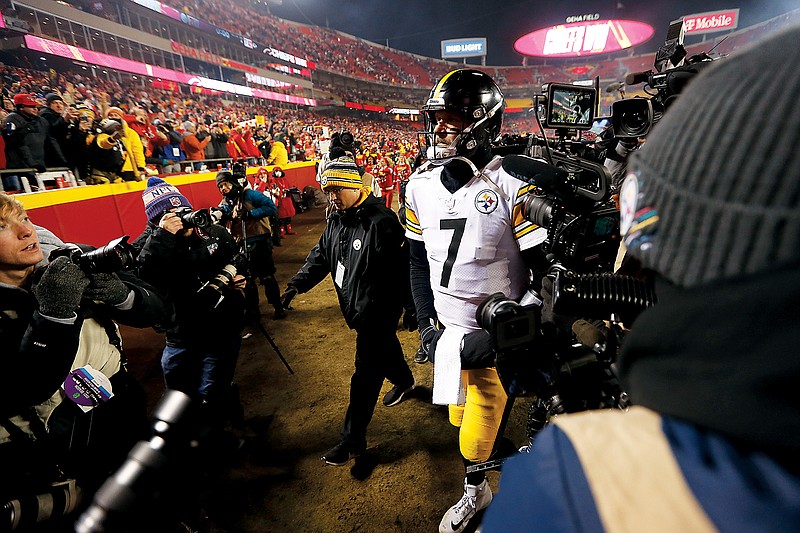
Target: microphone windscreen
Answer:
[[533, 171], [634, 78]]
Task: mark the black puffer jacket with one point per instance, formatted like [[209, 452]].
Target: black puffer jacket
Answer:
[[179, 267], [26, 140], [369, 244]]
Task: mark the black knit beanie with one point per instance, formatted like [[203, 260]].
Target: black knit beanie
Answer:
[[715, 191]]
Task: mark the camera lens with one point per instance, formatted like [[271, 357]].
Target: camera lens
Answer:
[[538, 210], [115, 256], [195, 219], [487, 311], [346, 138]]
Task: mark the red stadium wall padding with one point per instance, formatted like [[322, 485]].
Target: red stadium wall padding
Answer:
[[96, 214]]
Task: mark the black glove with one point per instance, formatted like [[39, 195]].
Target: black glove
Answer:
[[106, 288], [39, 168], [428, 335], [477, 350], [410, 319], [288, 296], [60, 289]]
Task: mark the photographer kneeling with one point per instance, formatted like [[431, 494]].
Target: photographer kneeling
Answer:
[[197, 269], [58, 317]]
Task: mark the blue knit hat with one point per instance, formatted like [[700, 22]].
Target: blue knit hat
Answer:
[[160, 196]]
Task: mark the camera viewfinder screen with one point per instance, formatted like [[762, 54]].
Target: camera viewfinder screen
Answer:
[[571, 106]]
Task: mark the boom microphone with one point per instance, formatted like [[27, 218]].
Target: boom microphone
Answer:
[[535, 172], [634, 78]]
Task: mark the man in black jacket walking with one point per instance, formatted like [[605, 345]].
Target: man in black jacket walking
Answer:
[[364, 249]]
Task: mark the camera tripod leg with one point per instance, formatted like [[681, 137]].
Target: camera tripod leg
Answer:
[[274, 347]]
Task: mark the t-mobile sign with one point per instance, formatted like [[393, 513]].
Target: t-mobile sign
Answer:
[[711, 21]]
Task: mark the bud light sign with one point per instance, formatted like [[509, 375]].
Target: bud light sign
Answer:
[[464, 47], [711, 21]]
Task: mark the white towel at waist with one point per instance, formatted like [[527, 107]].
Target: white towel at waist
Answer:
[[447, 385]]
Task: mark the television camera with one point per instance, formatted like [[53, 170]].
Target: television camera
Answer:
[[561, 350], [344, 140], [635, 117]]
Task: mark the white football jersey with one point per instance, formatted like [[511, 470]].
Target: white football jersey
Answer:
[[473, 239]]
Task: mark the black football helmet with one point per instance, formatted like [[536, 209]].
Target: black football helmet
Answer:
[[475, 96]]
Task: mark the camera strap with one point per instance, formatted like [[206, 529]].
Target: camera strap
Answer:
[[493, 165]]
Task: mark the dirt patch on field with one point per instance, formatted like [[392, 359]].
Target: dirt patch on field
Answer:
[[412, 471]]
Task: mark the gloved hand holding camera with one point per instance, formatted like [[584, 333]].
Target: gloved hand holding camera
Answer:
[[60, 289], [107, 288]]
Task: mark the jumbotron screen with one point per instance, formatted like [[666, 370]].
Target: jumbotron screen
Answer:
[[584, 38]]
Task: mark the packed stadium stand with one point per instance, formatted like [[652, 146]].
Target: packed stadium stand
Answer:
[[223, 63]]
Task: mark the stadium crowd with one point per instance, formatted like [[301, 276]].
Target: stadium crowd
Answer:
[[176, 128], [116, 128]]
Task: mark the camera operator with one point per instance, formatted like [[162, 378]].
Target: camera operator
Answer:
[[78, 140], [468, 240], [361, 247], [344, 144], [57, 317], [246, 212], [173, 150], [712, 441], [204, 336]]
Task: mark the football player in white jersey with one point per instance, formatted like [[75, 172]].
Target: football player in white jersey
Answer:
[[469, 240]]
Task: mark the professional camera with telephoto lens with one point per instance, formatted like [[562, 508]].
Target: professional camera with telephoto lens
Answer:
[[144, 490], [199, 218], [214, 289], [117, 255], [635, 117]]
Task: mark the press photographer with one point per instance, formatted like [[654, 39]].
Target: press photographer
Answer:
[[246, 213], [343, 143], [204, 335], [60, 433]]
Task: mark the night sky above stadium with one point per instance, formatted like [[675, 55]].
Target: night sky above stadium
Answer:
[[419, 25]]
